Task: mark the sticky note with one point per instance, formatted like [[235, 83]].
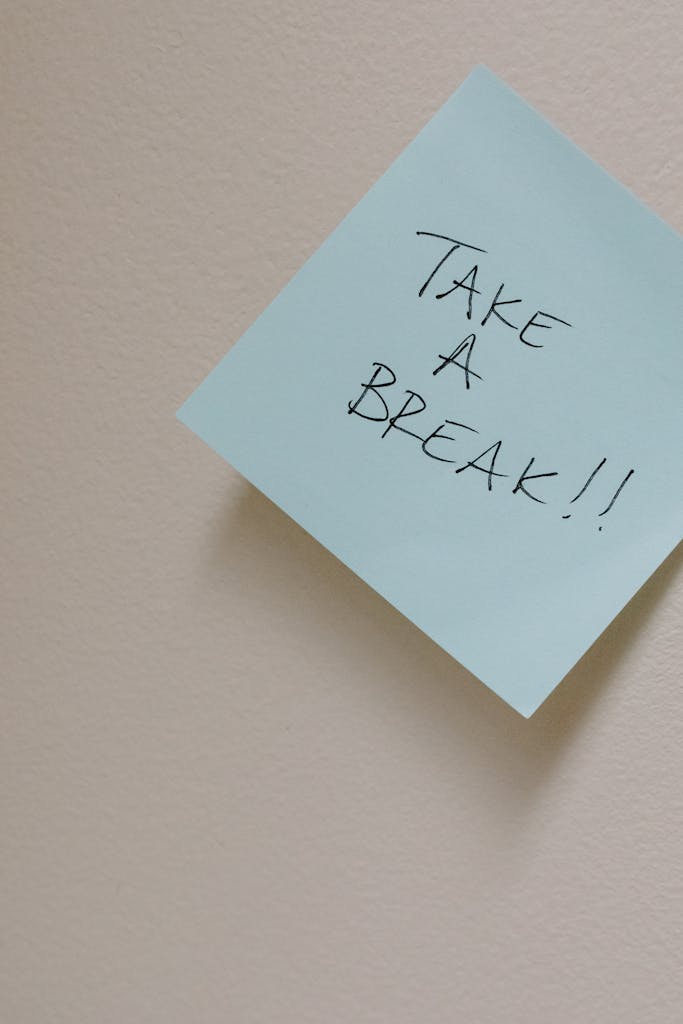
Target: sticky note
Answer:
[[470, 393]]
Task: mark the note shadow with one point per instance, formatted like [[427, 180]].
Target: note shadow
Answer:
[[510, 757]]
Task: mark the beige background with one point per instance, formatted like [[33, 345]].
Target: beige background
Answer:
[[236, 785]]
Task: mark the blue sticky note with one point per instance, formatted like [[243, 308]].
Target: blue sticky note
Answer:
[[470, 393]]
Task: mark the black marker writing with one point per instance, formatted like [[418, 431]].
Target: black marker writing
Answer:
[[617, 493], [404, 411], [489, 470], [493, 308], [451, 441], [454, 246], [535, 323], [443, 441], [452, 360], [437, 435], [469, 288], [373, 388], [589, 481], [526, 475], [467, 282]]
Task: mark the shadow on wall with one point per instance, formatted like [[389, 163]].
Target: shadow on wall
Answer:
[[253, 539]]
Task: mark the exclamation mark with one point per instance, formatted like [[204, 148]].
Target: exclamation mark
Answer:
[[617, 493], [587, 484]]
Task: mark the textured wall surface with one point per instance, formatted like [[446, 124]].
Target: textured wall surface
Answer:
[[236, 786]]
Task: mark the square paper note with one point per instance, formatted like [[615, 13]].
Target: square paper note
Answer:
[[470, 392]]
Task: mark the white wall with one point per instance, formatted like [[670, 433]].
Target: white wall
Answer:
[[236, 785]]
